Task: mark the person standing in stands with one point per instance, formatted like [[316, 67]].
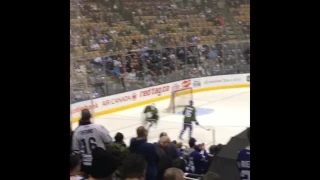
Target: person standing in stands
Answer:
[[165, 161], [103, 165], [134, 167], [173, 173], [119, 151], [140, 146], [196, 163], [173, 150], [243, 160], [87, 137]]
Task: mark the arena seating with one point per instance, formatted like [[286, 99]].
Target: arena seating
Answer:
[[104, 32], [241, 13], [123, 45]]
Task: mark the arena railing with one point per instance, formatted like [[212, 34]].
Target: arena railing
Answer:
[[96, 77]]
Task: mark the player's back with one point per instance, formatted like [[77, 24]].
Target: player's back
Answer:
[[244, 163], [88, 137], [189, 113]]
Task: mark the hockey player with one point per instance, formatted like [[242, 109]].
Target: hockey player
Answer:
[[88, 136], [151, 115], [189, 113], [243, 161]]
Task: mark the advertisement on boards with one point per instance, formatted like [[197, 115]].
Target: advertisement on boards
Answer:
[[222, 80], [119, 99], [186, 83], [158, 91], [77, 108], [196, 83], [175, 87]]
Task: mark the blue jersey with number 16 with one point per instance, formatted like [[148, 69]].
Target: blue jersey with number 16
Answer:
[[243, 161]]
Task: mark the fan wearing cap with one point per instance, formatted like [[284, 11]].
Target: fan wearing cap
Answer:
[[189, 113]]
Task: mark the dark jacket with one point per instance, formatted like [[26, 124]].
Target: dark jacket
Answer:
[[120, 152], [165, 161], [149, 152], [172, 151]]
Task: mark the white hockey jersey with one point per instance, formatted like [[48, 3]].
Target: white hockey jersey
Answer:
[[86, 138]]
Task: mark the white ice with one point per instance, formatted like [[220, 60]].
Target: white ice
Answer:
[[231, 116]]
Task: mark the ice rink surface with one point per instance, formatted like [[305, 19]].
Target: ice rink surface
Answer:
[[230, 116]]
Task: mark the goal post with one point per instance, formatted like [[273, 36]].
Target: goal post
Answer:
[[179, 99]]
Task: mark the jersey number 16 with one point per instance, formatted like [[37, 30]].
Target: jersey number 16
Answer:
[[91, 144]]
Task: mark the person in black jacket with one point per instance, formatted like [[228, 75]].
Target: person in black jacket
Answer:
[[134, 167], [165, 161], [173, 149]]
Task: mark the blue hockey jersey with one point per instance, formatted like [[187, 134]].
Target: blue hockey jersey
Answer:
[[197, 162], [243, 162]]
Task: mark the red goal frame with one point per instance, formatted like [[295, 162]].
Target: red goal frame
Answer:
[[173, 96]]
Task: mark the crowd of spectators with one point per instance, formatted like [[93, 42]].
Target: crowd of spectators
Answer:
[[166, 159], [241, 11], [123, 45]]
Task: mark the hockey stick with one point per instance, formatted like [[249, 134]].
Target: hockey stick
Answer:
[[204, 128]]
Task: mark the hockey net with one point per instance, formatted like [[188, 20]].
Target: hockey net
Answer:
[[179, 99]]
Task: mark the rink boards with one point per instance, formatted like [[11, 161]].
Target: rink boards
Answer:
[[123, 101]]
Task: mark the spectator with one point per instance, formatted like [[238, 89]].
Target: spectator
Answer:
[[197, 163], [203, 150], [173, 174], [116, 67], [192, 144], [75, 166], [243, 160], [103, 165], [131, 76], [172, 149], [140, 146], [179, 146], [205, 155], [134, 167], [97, 59], [119, 139], [165, 161], [119, 151], [83, 137], [194, 73], [214, 150]]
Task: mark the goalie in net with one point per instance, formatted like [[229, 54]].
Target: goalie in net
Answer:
[[179, 100]]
